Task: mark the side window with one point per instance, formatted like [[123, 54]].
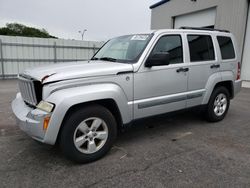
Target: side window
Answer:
[[201, 48], [171, 44], [226, 47]]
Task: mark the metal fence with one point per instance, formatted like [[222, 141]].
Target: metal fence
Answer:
[[19, 53]]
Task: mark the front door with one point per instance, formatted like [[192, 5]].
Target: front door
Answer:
[[161, 89]]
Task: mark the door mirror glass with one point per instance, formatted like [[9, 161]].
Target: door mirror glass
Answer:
[[158, 59]]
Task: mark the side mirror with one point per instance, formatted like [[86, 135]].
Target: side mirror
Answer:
[[158, 59]]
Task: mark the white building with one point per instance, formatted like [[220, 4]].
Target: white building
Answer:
[[232, 15]]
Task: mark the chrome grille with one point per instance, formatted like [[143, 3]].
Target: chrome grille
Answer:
[[27, 90]]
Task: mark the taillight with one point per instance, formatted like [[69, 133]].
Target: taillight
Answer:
[[238, 71]]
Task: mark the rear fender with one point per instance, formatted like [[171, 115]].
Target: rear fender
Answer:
[[212, 81]]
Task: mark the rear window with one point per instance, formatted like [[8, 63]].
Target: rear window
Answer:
[[201, 48], [226, 47]]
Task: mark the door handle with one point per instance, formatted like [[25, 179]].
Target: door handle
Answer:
[[215, 66], [182, 70]]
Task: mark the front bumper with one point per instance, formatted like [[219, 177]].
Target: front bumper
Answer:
[[29, 120]]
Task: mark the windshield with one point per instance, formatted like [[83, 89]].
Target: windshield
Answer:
[[125, 49]]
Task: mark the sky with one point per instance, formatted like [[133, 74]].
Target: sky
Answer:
[[103, 19]]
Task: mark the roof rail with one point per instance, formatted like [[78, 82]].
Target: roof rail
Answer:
[[204, 29]]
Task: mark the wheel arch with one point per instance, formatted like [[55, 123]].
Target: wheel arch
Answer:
[[224, 79], [228, 84], [110, 104]]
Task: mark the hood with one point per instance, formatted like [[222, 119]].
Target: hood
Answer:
[[63, 71]]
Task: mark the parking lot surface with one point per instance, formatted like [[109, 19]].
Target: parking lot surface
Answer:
[[180, 150]]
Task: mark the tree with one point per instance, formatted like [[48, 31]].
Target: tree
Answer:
[[16, 29]]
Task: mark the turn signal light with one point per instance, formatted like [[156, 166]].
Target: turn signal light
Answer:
[[46, 123]]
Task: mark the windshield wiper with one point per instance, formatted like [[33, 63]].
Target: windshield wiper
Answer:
[[105, 59], [94, 58], [108, 59]]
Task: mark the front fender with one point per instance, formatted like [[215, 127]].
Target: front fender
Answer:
[[66, 98]]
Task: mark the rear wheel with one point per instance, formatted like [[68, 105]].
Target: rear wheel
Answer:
[[218, 104], [88, 134]]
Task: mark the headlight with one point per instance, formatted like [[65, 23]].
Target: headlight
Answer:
[[46, 106]]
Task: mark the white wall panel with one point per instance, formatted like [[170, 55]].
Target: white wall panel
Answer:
[[60, 51], [197, 19], [33, 51], [246, 55]]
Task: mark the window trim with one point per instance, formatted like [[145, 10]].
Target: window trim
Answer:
[[235, 54], [213, 43]]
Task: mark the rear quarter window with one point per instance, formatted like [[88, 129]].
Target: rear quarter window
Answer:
[[226, 47]]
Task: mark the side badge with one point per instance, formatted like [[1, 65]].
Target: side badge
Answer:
[[127, 78]]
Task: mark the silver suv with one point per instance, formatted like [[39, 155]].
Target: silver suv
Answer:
[[82, 105]]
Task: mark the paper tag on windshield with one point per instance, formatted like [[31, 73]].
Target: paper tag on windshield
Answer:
[[139, 37]]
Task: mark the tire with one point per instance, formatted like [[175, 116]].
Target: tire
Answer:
[[216, 109], [88, 134]]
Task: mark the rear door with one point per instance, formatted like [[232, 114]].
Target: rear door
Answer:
[[203, 63]]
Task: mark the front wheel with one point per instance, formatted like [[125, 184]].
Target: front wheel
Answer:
[[88, 134], [218, 104]]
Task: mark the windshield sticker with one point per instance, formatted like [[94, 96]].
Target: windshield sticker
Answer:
[[139, 37]]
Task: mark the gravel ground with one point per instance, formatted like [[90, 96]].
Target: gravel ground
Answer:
[[180, 150]]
